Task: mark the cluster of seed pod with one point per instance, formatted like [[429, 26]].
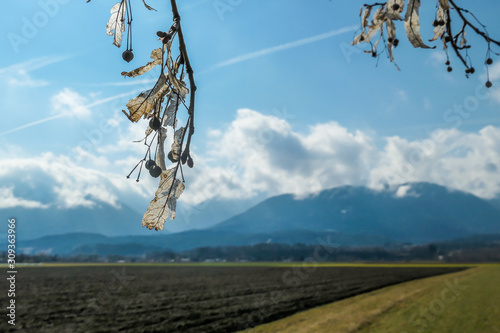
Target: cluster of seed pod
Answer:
[[387, 13]]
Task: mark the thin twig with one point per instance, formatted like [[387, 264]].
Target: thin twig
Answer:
[[192, 86], [452, 41], [189, 69], [479, 32]]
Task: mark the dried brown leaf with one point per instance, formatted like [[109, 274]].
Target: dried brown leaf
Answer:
[[375, 46], [391, 35], [176, 145], [375, 26], [156, 55], [165, 201], [440, 29], [358, 39], [412, 25], [148, 6], [170, 109], [116, 22], [391, 29], [160, 156], [463, 40], [143, 104], [445, 4], [366, 15], [392, 14], [179, 86]]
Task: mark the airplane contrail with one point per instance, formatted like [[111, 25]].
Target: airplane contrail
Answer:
[[41, 121], [229, 62], [33, 64], [123, 83], [282, 47], [33, 124]]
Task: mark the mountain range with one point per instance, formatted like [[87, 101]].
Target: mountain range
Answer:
[[417, 212], [343, 216], [118, 220]]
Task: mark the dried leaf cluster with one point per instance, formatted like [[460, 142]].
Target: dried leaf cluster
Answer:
[[116, 25], [160, 105], [378, 21]]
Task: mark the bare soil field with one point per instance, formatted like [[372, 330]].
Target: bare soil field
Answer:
[[185, 298]]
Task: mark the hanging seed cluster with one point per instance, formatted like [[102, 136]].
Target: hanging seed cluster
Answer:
[[384, 15], [160, 106]]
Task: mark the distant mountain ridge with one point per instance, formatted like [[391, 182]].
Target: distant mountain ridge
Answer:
[[88, 243], [102, 219], [427, 212], [495, 202], [343, 216], [118, 220]]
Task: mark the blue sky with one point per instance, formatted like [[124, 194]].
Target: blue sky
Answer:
[[284, 103]]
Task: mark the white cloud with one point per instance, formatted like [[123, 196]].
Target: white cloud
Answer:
[[19, 74], [22, 79], [465, 161], [437, 58], [494, 76], [404, 191], [70, 103], [263, 154], [402, 95], [9, 200], [84, 156], [427, 104], [494, 71], [214, 133], [127, 137], [66, 185]]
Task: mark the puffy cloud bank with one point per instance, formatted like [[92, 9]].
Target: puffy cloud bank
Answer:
[[259, 154], [263, 153], [49, 180]]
